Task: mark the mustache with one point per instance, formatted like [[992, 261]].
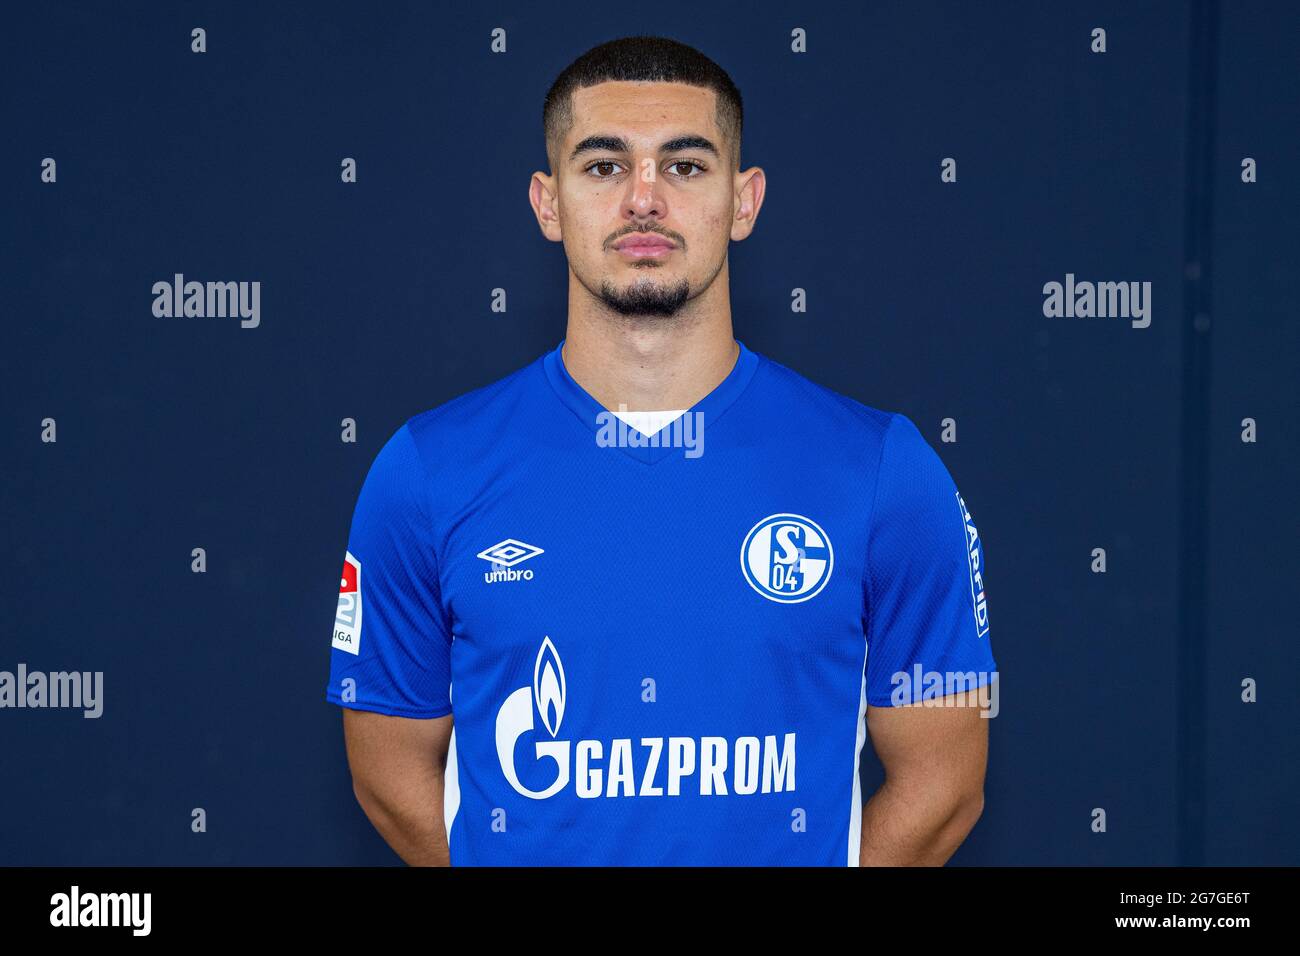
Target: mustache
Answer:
[[646, 232]]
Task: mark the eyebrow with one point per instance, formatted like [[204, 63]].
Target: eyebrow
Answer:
[[616, 144]]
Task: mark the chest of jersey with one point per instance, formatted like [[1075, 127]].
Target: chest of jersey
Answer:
[[687, 628]]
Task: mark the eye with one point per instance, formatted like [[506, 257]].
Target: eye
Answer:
[[598, 164], [688, 163]]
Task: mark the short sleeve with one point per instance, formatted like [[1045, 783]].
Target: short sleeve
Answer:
[[927, 611], [391, 648]]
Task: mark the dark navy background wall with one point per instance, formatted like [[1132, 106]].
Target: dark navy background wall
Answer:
[[1120, 690]]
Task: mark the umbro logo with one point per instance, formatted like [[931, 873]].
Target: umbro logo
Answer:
[[504, 555]]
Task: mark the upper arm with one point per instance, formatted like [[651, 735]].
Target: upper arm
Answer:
[[383, 747], [939, 751]]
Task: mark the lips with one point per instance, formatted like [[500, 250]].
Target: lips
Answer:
[[644, 246]]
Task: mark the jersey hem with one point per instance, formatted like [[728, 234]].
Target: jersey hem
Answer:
[[981, 681], [379, 707]]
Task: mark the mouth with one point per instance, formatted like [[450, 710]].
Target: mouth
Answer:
[[645, 245]]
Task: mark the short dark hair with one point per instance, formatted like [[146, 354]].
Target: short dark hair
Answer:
[[641, 58]]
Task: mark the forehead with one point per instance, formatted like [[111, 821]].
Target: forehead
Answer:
[[639, 109]]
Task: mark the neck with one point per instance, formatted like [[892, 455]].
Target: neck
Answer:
[[649, 364]]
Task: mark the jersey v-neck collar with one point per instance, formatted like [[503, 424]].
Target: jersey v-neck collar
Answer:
[[596, 417]]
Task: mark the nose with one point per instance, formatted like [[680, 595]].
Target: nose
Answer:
[[644, 200]]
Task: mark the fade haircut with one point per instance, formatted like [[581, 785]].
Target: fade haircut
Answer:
[[641, 58]]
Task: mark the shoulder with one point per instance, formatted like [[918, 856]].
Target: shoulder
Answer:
[[462, 442], [478, 412], [884, 447], [823, 410], [448, 440]]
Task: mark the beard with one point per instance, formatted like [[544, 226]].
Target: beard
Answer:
[[646, 297]]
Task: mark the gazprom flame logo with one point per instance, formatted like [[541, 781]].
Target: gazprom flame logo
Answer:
[[515, 718], [548, 686]]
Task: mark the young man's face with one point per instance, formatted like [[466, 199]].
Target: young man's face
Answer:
[[644, 205]]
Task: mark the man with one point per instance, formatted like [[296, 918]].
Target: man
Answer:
[[563, 639]]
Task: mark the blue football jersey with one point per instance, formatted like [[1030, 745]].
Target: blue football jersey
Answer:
[[658, 650]]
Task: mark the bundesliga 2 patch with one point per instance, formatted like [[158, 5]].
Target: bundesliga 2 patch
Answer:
[[347, 619]]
